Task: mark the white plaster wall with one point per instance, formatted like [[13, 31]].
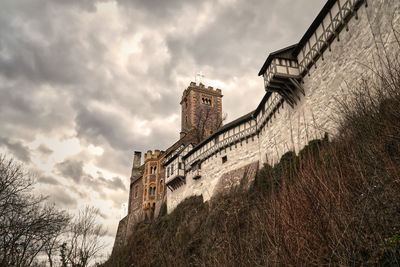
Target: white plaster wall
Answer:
[[332, 79], [212, 169]]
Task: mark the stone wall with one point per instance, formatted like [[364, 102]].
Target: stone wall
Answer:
[[125, 228], [135, 201], [242, 176], [331, 79], [238, 155], [120, 237]]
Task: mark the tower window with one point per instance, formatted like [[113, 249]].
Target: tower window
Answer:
[[206, 100], [136, 191], [224, 159]]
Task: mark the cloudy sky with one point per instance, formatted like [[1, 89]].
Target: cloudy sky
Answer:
[[85, 83]]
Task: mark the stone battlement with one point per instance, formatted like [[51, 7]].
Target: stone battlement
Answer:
[[201, 87], [152, 156]]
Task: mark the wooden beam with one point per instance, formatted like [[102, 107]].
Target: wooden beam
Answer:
[[298, 85], [292, 91]]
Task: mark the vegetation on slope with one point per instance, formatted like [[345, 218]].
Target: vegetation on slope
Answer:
[[334, 203]]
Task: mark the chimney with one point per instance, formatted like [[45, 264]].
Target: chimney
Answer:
[[137, 159]]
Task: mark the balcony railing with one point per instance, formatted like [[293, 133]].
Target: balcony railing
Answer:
[[176, 179], [280, 68], [178, 173]]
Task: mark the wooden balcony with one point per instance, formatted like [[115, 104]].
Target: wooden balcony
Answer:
[[176, 179], [283, 77]]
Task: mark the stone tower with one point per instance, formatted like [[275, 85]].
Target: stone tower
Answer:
[[201, 110], [153, 180], [136, 187]]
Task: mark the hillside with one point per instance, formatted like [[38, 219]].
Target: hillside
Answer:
[[336, 202]]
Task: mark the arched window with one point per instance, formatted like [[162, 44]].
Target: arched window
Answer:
[[161, 186], [136, 191]]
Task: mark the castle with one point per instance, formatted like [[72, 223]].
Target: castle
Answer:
[[302, 83]]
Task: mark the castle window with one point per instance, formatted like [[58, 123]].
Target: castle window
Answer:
[[161, 188], [224, 159], [136, 191], [155, 170], [206, 100], [180, 166]]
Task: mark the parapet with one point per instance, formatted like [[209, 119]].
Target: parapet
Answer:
[[202, 88], [152, 156]]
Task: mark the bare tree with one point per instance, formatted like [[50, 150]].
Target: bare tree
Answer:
[[84, 238], [207, 120], [27, 223]]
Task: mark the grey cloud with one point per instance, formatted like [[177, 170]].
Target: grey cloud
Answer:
[[48, 180], [72, 169], [116, 183], [99, 184], [43, 149], [158, 10], [62, 198], [17, 149], [99, 126], [240, 38]]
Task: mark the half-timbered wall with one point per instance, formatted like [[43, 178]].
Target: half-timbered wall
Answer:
[[216, 160]]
